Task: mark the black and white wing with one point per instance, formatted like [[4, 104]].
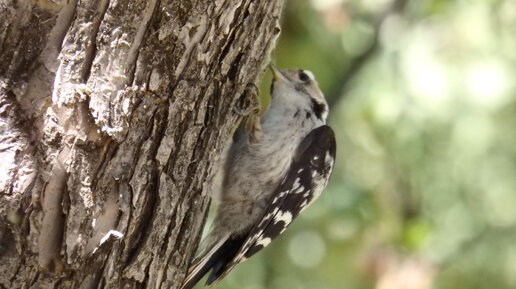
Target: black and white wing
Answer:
[[302, 184]]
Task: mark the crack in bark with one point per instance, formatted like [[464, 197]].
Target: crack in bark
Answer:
[[92, 41], [53, 220], [135, 237], [145, 217], [232, 33], [132, 55], [57, 35], [147, 213], [109, 149]]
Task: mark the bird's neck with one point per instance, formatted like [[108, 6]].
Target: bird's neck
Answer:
[[279, 119]]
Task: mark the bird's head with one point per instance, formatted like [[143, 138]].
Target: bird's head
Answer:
[[298, 87]]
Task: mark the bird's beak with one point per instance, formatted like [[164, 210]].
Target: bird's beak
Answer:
[[276, 73]]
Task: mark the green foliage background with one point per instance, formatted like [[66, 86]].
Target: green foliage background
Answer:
[[423, 100]]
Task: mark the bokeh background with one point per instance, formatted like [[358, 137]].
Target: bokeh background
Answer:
[[423, 103]]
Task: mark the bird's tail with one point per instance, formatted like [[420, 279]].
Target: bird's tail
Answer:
[[202, 264], [216, 258]]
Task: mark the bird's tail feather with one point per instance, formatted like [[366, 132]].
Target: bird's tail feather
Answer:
[[216, 259], [202, 265]]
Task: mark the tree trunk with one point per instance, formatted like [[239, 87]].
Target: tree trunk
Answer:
[[113, 114]]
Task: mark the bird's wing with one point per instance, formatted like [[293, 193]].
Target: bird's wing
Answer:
[[302, 184]]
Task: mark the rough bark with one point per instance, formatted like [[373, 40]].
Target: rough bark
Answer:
[[112, 116]]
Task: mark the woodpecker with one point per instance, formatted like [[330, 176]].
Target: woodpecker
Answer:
[[270, 175]]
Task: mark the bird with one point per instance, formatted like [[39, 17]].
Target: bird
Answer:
[[270, 175]]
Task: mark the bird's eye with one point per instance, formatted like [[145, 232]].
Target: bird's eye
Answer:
[[303, 76]]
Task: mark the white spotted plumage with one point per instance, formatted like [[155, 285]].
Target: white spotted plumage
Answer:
[[269, 181]]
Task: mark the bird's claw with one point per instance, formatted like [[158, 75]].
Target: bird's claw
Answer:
[[249, 106], [249, 102]]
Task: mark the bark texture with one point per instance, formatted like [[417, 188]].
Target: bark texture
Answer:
[[112, 116]]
